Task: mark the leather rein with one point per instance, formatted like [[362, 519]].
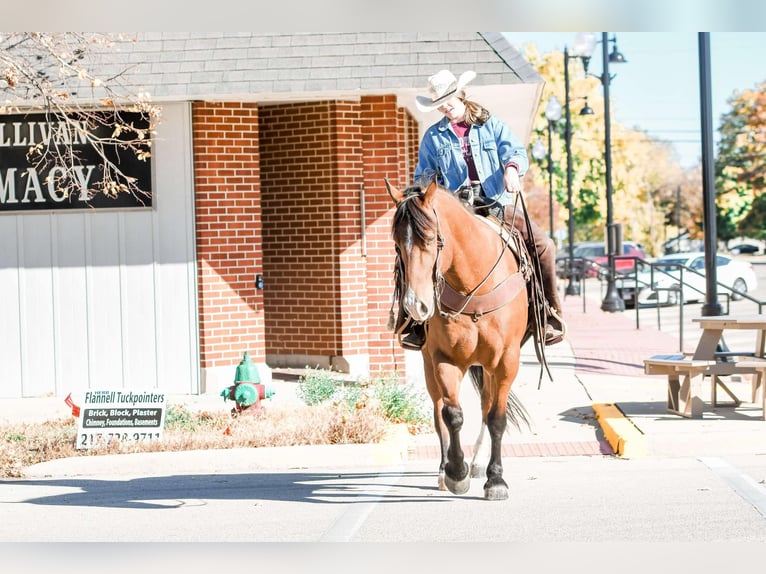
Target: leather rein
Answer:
[[470, 303]]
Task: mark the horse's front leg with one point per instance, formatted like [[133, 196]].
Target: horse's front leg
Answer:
[[495, 416], [441, 432], [457, 476], [434, 391], [496, 488], [456, 471]]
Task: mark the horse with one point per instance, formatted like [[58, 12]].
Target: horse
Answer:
[[462, 277]]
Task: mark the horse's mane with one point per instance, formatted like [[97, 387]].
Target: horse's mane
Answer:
[[413, 215]]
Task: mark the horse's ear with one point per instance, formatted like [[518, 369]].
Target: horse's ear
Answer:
[[393, 192], [430, 193]]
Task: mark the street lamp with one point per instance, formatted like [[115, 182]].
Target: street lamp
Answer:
[[539, 152], [583, 48], [552, 114], [612, 301]]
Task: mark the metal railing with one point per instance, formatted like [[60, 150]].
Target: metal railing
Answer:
[[660, 269]]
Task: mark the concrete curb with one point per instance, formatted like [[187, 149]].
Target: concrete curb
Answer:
[[623, 436]]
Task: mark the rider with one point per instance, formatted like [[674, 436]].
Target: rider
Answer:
[[471, 147]]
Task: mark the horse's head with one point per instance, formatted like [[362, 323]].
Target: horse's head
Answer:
[[415, 232]]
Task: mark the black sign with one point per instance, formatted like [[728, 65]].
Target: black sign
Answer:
[[50, 162]]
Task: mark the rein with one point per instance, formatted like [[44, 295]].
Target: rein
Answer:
[[470, 303]]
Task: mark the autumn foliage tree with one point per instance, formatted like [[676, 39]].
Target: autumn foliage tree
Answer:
[[646, 173], [58, 74], [740, 169]]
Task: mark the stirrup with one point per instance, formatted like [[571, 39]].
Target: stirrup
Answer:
[[555, 327]]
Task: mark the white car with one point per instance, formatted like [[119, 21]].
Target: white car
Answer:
[[660, 282]]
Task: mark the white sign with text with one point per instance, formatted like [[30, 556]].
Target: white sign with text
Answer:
[[120, 415]]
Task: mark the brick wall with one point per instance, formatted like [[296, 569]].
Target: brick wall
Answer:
[[228, 232], [314, 269], [390, 150], [296, 192]]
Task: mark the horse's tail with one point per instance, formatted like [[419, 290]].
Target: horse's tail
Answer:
[[515, 412]]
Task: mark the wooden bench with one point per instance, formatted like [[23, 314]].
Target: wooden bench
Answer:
[[686, 377], [758, 367]]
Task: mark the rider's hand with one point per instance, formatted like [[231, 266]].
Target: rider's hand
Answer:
[[511, 179]]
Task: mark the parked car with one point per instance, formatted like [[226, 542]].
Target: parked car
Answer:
[[745, 249], [659, 283], [594, 259]]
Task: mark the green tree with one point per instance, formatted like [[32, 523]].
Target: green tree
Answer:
[[740, 164], [644, 169]]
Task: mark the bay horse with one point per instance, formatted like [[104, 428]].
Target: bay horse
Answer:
[[459, 276]]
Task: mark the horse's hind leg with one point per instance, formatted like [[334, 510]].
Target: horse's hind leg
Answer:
[[480, 454]]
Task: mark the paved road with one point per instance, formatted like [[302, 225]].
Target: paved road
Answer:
[[699, 480]]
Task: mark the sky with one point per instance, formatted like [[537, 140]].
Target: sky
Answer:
[[658, 88]]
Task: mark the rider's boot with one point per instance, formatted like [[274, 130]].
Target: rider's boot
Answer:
[[415, 339], [555, 327]]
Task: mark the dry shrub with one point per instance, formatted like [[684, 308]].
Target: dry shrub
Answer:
[[25, 444]]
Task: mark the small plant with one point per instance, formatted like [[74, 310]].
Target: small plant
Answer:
[[318, 386], [401, 402], [178, 417], [398, 402]]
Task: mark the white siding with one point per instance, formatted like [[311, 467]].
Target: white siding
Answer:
[[105, 299]]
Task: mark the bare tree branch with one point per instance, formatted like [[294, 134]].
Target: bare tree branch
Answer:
[[58, 74]]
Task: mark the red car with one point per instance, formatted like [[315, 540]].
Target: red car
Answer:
[[596, 260]]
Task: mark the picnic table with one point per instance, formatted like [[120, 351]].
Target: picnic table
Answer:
[[686, 373]]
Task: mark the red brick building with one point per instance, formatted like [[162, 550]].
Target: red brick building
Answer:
[[286, 141]]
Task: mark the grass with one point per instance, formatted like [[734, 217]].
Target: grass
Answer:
[[333, 413]]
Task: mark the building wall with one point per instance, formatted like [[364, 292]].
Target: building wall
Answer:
[[328, 257], [104, 299], [228, 235]]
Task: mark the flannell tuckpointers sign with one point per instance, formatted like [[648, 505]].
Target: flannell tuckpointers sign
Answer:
[[26, 184], [123, 416]]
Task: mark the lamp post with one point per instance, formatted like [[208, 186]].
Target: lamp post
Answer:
[[612, 301], [584, 44], [539, 153], [711, 306], [553, 115]]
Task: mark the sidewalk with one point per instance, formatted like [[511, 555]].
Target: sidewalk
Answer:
[[600, 363], [610, 352]]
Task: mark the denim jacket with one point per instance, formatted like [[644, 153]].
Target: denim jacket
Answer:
[[493, 146]]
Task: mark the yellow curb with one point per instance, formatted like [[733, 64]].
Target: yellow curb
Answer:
[[394, 445], [622, 435]]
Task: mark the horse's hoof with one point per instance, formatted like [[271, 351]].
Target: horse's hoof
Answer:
[[478, 470], [496, 492], [496, 489], [458, 486]]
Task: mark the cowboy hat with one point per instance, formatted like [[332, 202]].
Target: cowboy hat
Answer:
[[441, 87]]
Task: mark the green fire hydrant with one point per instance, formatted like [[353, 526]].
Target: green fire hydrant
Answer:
[[247, 390]]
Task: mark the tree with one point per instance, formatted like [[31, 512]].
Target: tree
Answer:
[[645, 171], [85, 112], [740, 177]]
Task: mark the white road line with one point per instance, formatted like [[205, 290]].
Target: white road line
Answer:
[[741, 483], [352, 519]]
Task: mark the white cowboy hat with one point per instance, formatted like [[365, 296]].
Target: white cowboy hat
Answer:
[[441, 87]]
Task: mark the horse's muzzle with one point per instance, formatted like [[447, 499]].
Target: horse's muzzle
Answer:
[[416, 307]]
